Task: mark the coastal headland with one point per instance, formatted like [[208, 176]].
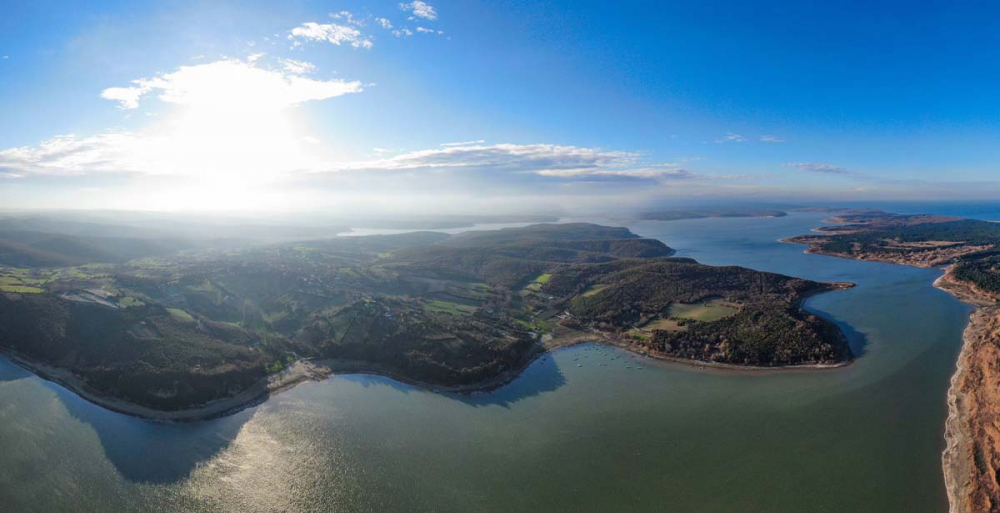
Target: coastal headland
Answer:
[[207, 332]]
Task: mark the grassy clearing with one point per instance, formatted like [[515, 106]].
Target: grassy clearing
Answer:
[[707, 311], [662, 324], [544, 278], [448, 307], [77, 272], [21, 289], [349, 271], [15, 276], [129, 302], [534, 325], [180, 315], [593, 290], [638, 333]]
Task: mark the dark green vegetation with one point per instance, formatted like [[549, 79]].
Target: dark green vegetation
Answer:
[[922, 240], [982, 271], [973, 246], [906, 238], [676, 215], [41, 249], [172, 330], [881, 233], [768, 328]]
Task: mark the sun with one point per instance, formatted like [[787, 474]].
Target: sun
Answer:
[[230, 130]]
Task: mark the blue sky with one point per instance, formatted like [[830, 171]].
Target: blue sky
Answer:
[[342, 105]]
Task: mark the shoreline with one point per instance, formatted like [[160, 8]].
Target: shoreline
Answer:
[[962, 451], [306, 370]]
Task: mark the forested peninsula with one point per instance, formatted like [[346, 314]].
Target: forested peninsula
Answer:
[[204, 330]]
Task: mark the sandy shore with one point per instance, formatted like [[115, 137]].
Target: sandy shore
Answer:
[[972, 442], [972, 432]]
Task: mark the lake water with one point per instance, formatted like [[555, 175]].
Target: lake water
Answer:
[[562, 437]]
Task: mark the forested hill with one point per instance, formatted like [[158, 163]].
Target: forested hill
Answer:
[[173, 331]]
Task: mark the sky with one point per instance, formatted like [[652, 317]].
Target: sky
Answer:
[[471, 106]]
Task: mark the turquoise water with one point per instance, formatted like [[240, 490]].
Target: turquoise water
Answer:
[[562, 437]]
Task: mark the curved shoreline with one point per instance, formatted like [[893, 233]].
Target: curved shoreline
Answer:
[[958, 457], [302, 371]]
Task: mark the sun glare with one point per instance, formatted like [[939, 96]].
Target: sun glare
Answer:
[[229, 125]]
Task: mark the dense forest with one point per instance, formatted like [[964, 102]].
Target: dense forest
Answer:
[[983, 272], [895, 237], [767, 328]]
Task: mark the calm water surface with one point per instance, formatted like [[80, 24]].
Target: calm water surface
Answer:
[[663, 437]]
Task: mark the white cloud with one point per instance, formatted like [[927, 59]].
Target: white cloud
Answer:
[[731, 137], [463, 143], [570, 162], [127, 97], [331, 33], [818, 167], [420, 9], [294, 67], [384, 22], [423, 30], [66, 155], [348, 17], [229, 82], [662, 172], [771, 139], [403, 32]]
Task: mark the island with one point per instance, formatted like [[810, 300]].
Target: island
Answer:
[[211, 329], [677, 215], [970, 251]]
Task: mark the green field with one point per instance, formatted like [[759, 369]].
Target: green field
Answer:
[[707, 311], [448, 307], [181, 315], [22, 289], [129, 301], [12, 277], [662, 324], [543, 279], [593, 290]]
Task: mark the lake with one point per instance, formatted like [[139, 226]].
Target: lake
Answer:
[[568, 435]]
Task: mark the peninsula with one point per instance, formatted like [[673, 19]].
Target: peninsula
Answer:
[[203, 332]]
